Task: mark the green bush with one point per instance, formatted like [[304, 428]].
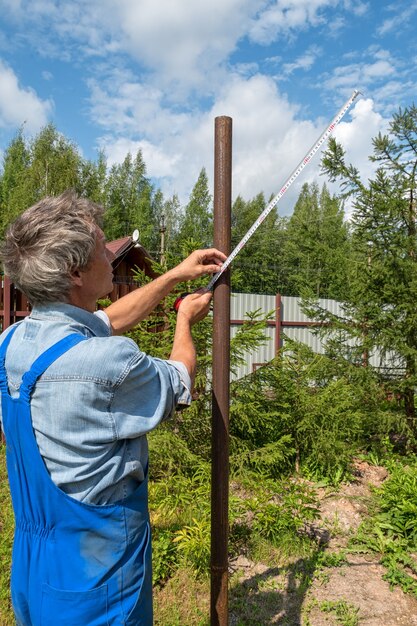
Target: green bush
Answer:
[[392, 529], [296, 414]]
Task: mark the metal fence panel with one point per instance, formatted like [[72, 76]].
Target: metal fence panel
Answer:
[[293, 323]]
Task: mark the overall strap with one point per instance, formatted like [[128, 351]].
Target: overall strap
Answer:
[[45, 360], [3, 350]]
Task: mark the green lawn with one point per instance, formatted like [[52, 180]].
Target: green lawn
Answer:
[[6, 538]]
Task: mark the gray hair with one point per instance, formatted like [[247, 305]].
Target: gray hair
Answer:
[[50, 240]]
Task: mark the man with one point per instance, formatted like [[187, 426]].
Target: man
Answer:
[[77, 402]]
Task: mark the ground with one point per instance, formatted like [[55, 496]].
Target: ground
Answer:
[[352, 593], [299, 592]]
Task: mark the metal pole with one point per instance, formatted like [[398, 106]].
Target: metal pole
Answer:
[[221, 369], [162, 230]]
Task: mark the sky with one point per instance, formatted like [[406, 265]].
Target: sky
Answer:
[[152, 75]]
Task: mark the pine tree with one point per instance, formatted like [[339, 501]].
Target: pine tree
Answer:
[[384, 284], [15, 195], [317, 246], [129, 201], [197, 224], [258, 268]]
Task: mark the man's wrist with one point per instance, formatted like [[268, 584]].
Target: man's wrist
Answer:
[[173, 277], [183, 320]]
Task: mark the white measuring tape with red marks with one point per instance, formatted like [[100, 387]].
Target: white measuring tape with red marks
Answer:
[[285, 187]]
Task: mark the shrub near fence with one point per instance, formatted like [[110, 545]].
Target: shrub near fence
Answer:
[[287, 319]]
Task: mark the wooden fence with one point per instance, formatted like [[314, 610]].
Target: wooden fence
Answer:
[[14, 306]]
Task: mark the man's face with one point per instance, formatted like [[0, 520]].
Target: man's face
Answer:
[[98, 278]]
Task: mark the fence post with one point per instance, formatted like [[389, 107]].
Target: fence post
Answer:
[[7, 302], [278, 320], [221, 373]]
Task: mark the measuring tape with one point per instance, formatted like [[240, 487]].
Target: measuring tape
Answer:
[[286, 186]]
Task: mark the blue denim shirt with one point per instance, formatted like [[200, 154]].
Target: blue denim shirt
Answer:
[[93, 407]]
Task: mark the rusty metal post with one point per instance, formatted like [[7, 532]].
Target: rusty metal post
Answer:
[[221, 370]]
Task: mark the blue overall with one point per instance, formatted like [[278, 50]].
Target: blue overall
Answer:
[[73, 564]]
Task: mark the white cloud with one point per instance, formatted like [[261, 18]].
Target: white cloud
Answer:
[[373, 69], [268, 141], [359, 74], [357, 7], [13, 6], [158, 163], [356, 135], [356, 138], [398, 21], [19, 104], [377, 73], [122, 105], [185, 42], [304, 62], [284, 16], [179, 79]]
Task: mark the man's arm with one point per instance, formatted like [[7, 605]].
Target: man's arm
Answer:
[[135, 306], [192, 309]]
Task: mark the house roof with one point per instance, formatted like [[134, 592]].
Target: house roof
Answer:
[[125, 249], [118, 246]]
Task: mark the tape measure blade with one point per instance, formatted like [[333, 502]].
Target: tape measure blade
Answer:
[[292, 177]]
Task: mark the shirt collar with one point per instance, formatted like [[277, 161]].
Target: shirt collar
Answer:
[[60, 311]]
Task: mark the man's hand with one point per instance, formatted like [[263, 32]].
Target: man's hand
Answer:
[[199, 263], [135, 306], [195, 306], [192, 309]]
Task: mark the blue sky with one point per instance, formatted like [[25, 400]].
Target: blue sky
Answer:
[[153, 75]]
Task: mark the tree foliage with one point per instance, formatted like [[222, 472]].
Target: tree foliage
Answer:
[[317, 247], [382, 307], [258, 268], [129, 200], [197, 223], [302, 412]]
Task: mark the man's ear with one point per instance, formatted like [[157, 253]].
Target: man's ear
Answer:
[[77, 278]]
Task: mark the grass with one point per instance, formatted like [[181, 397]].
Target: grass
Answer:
[[184, 598], [183, 601], [344, 613], [6, 539], [291, 561]]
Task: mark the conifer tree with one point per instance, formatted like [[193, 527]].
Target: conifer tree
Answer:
[[384, 285], [197, 224], [258, 268], [129, 201], [317, 246], [15, 195]]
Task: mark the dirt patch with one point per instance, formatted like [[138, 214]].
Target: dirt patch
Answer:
[[343, 511], [283, 596], [360, 584]]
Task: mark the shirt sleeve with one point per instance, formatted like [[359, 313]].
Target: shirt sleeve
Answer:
[[104, 317], [185, 399], [147, 392]]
